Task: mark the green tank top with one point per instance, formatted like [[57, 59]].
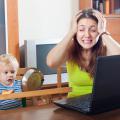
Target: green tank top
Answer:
[[79, 80]]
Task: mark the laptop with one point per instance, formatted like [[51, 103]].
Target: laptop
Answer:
[[105, 94]]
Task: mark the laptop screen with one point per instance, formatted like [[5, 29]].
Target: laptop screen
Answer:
[[107, 82]]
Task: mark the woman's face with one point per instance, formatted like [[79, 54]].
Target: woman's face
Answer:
[[87, 33]]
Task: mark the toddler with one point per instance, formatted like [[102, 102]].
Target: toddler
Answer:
[[8, 70]]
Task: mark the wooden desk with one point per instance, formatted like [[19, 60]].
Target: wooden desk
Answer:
[[52, 112]]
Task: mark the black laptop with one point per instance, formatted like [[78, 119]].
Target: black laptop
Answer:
[[106, 89]]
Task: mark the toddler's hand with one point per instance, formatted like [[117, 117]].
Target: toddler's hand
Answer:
[[5, 92]]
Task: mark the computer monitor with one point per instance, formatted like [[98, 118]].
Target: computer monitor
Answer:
[[35, 56]]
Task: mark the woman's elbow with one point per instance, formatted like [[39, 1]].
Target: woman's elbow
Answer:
[[50, 63]]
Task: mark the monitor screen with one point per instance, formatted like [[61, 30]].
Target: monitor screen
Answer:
[[41, 53]]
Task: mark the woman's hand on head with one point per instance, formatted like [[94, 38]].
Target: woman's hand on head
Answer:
[[101, 21], [74, 24]]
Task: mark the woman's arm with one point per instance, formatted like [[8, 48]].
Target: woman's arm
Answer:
[[58, 55], [113, 47]]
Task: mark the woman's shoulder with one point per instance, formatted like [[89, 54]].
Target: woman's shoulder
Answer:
[[72, 66], [74, 71], [71, 63]]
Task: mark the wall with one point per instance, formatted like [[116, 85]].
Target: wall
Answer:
[[45, 20], [2, 28]]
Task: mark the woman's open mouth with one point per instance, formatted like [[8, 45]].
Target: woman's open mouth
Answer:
[[87, 41]]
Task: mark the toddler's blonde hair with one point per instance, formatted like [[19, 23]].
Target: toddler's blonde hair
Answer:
[[9, 59]]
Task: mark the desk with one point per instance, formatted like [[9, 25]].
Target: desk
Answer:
[[52, 112]]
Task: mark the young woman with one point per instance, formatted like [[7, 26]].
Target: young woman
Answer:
[[86, 40]]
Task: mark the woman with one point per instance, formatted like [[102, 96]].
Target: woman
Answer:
[[86, 40]]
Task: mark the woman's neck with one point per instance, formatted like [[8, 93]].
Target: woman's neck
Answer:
[[86, 54]]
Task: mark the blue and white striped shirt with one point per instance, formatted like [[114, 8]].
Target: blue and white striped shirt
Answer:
[[11, 103]]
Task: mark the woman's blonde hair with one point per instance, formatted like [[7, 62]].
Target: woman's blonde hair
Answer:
[[9, 59]]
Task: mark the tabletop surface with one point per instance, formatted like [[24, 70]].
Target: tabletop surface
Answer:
[[52, 112]]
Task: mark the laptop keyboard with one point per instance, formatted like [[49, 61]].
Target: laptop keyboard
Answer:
[[80, 102]]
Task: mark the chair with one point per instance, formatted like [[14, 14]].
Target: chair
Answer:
[[21, 72], [59, 76], [19, 76], [26, 94]]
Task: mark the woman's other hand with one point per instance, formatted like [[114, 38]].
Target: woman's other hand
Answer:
[[101, 21]]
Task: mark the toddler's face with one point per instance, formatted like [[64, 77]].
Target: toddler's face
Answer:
[[7, 74]]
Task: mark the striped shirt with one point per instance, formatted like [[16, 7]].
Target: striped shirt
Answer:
[[11, 103]]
